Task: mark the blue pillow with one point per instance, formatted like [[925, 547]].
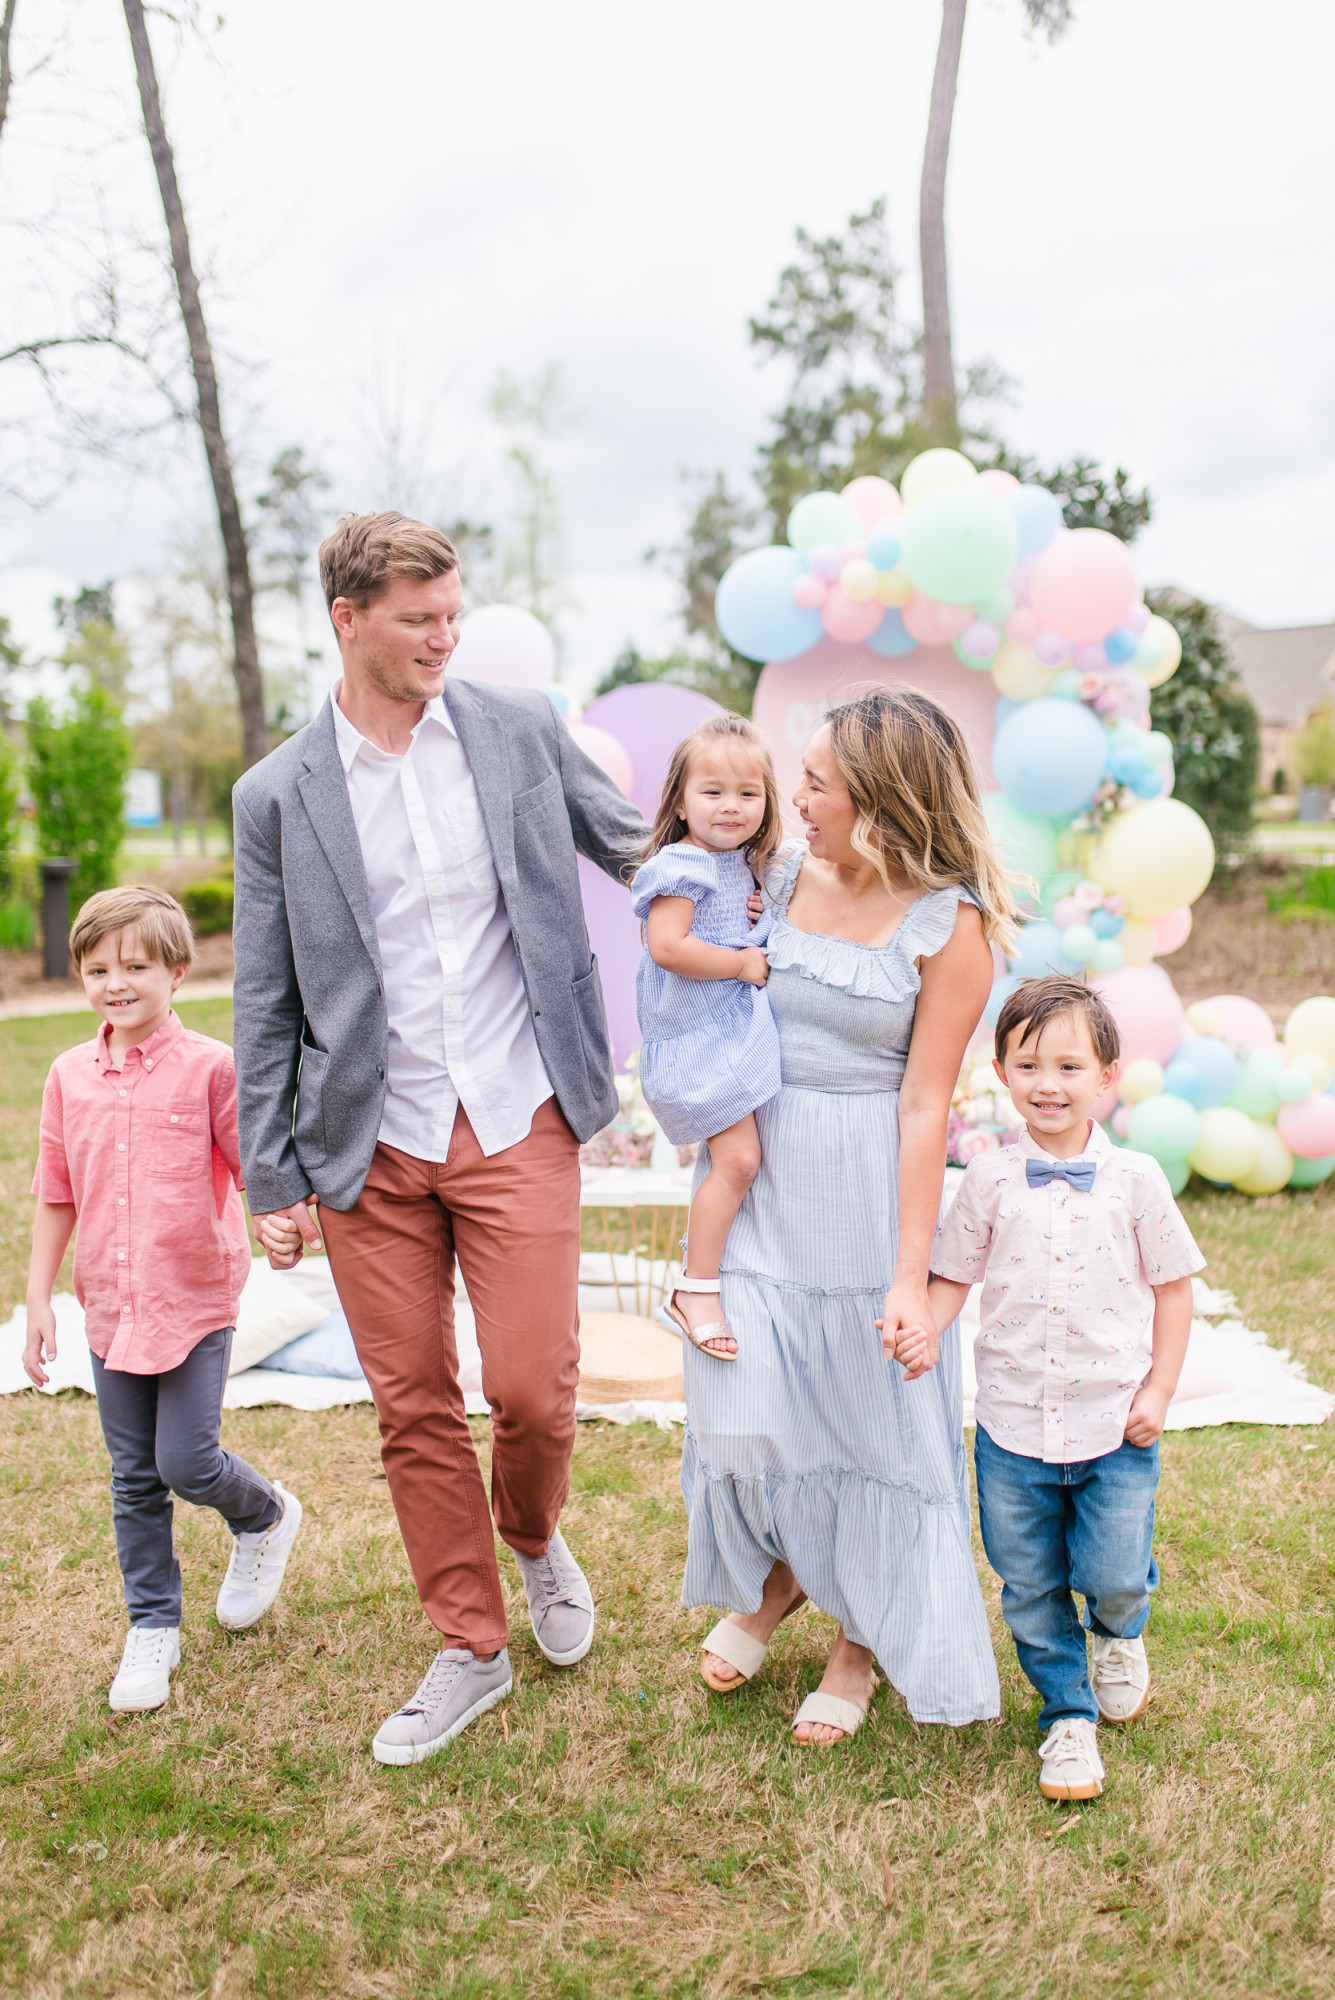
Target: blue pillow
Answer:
[[326, 1350]]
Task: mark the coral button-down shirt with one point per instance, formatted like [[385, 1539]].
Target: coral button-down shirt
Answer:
[[148, 1156], [1068, 1292]]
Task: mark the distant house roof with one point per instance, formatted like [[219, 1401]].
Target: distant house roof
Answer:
[[1286, 670]]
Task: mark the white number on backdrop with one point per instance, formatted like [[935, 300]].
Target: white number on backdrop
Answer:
[[800, 724]]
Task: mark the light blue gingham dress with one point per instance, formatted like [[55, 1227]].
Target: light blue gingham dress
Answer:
[[709, 1052], [811, 1448]]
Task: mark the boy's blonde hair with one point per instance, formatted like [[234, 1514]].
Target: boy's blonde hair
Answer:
[[163, 926], [670, 826]]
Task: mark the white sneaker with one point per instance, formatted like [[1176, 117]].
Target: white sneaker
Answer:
[[1070, 1761], [143, 1678], [255, 1572], [1119, 1674]]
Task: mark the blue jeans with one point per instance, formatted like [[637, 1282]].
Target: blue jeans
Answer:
[[1053, 1529]]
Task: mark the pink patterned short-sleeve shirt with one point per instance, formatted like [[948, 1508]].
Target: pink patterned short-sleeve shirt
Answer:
[[1068, 1292]]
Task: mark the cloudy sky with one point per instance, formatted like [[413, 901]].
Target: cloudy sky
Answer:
[[394, 203]]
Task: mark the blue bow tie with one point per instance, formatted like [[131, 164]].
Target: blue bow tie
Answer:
[[1080, 1173]]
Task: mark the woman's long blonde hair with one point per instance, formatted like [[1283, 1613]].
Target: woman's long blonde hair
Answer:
[[915, 790], [670, 825]]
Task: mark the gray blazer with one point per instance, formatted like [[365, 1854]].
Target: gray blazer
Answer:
[[311, 1026]]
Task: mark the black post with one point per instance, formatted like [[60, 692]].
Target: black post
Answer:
[[56, 875]]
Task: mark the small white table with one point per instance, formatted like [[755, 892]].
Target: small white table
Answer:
[[635, 1188]]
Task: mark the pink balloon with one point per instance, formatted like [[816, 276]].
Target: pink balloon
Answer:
[[1022, 625], [1020, 580], [1084, 584], [606, 753], [1308, 1129], [1104, 1106], [1243, 1022], [1171, 931], [997, 481], [954, 619], [981, 639], [810, 592], [1088, 659], [1137, 618], [1146, 1009], [872, 499], [850, 619], [1068, 911], [826, 562], [852, 552], [1121, 1120], [1050, 648]]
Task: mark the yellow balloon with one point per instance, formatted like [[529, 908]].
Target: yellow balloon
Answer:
[[1203, 1018], [1170, 659], [1158, 855], [1140, 1079], [1137, 941], [1229, 1145], [931, 470], [1018, 673], [1317, 1068], [1310, 1028], [893, 587], [860, 579], [1274, 1164]]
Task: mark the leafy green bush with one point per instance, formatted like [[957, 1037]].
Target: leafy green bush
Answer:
[[1213, 725], [77, 770], [1307, 892], [209, 905], [17, 924]]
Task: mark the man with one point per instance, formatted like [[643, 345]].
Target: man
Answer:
[[420, 1047]]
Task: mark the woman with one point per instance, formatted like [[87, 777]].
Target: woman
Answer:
[[818, 1465]]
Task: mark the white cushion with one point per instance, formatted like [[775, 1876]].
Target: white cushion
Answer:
[[276, 1306]]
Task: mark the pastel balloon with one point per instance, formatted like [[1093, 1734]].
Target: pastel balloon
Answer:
[[1257, 1089], [1166, 646], [1156, 747], [894, 587], [1141, 1079], [1019, 673], [1137, 941], [997, 481], [1120, 646], [1106, 924], [1138, 617], [1026, 845], [754, 604], [959, 542], [1089, 659], [1229, 1145], [978, 662], [1167, 1128], [502, 646], [1104, 1105], [648, 720], [1121, 1120], [1067, 911], [1240, 1021], [1051, 648], [1177, 1173], [1274, 1165], [883, 547], [1039, 950], [1309, 1173], [1171, 930], [890, 639], [980, 639], [826, 562], [1037, 515], [995, 607], [1316, 1067], [606, 752], [822, 517], [931, 470], [1084, 584], [849, 618], [1294, 1085], [1146, 1009], [1078, 943], [922, 617], [1308, 1130], [872, 499], [1310, 1028], [1022, 625], [859, 580], [1204, 1071], [1049, 757], [1107, 955], [1159, 856], [810, 592]]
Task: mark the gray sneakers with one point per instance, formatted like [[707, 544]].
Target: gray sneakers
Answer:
[[456, 1689], [560, 1603]]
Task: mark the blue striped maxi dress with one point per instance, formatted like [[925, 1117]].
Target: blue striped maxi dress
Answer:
[[811, 1448]]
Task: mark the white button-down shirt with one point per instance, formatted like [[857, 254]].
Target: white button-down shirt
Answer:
[[1068, 1282], [460, 1030]]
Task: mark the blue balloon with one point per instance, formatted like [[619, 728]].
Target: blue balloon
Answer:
[[1126, 765], [1039, 950], [1105, 925], [1050, 756], [755, 609], [1148, 785], [1001, 992], [883, 550], [890, 639], [559, 699], [1005, 706], [1037, 514], [1120, 646], [1204, 1071]]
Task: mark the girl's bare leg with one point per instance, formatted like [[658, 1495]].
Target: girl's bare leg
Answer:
[[734, 1162], [850, 1674], [781, 1596]]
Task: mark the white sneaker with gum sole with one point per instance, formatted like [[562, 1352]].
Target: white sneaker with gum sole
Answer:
[[1119, 1674], [1069, 1760]]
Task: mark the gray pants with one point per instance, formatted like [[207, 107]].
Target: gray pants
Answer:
[[162, 1434]]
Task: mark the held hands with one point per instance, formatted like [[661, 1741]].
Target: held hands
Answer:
[[753, 966], [1145, 1420], [284, 1234], [908, 1331], [40, 1342]]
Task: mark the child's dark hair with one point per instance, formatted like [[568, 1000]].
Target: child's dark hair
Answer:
[[1031, 1006], [670, 826]]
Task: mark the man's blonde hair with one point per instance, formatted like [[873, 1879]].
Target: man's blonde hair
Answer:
[[366, 552], [163, 926]]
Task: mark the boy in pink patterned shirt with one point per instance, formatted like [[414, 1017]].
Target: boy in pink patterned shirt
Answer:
[[139, 1148], [1086, 1266]]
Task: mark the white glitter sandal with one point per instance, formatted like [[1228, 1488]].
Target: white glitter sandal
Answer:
[[713, 1329]]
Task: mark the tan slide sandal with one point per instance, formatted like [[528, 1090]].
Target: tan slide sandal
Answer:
[[713, 1329], [739, 1649], [834, 1712]]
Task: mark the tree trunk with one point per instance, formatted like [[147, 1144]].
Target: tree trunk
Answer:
[[939, 405], [6, 72], [245, 658]]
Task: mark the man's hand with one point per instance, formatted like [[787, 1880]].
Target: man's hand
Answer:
[[1145, 1419], [754, 966], [285, 1233], [41, 1340]]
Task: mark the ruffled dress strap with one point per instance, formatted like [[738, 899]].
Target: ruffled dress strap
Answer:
[[679, 870], [873, 972], [783, 871]]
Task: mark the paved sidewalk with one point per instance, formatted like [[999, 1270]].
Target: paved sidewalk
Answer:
[[75, 1003]]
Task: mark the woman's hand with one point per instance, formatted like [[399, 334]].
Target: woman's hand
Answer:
[[752, 965], [908, 1332]]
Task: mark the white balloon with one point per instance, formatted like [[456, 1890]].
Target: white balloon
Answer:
[[504, 647]]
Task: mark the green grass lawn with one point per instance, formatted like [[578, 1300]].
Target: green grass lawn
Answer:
[[616, 1830]]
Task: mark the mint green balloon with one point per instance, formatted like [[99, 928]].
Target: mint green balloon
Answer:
[[1055, 887], [1257, 1089], [823, 518], [1165, 1127], [1027, 845], [1155, 747], [1309, 1173], [996, 607], [1178, 1172], [959, 544]]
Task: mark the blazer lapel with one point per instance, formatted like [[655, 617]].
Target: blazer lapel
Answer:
[[324, 793], [484, 747]]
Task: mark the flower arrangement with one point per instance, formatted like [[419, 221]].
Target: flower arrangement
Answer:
[[981, 1118]]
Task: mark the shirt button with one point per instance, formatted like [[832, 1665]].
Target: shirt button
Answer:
[[120, 1256], [120, 1202], [148, 1062], [125, 1093], [120, 1148], [175, 1119], [125, 1309]]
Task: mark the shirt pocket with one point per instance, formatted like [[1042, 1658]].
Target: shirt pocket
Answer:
[[176, 1143]]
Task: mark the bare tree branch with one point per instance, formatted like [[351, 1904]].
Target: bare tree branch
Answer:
[[937, 357], [6, 71]]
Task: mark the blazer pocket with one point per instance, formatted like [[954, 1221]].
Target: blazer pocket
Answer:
[[537, 797], [178, 1142], [308, 1122], [591, 1020]]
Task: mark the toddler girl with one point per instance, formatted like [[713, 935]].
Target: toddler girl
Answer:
[[711, 1051]]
